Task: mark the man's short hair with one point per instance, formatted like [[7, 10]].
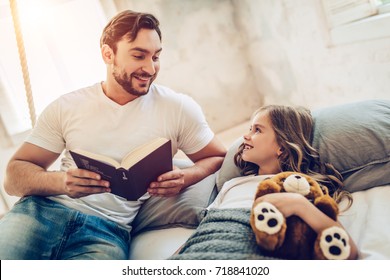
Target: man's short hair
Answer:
[[127, 24]]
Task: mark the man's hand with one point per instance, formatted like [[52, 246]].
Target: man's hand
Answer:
[[79, 183], [168, 184]]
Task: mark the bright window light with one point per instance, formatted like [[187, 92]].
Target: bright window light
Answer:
[[61, 39]]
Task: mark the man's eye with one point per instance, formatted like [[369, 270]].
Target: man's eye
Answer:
[[138, 56], [156, 58]]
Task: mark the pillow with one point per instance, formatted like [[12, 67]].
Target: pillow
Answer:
[[354, 137], [228, 169], [184, 210]]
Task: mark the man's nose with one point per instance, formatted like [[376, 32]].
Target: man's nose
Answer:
[[149, 67]]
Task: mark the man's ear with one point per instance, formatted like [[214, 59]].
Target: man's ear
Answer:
[[107, 54]]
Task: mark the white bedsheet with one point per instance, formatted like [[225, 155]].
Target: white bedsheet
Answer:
[[368, 222]]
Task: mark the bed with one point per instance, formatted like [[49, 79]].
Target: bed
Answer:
[[355, 137]]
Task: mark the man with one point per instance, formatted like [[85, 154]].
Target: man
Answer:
[[71, 214]]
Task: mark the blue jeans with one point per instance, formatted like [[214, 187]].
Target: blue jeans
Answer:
[[38, 228]]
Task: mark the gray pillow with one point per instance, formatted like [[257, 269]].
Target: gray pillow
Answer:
[[228, 169], [354, 137], [185, 210]]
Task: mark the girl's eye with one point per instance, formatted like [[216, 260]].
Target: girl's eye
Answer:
[[254, 130]]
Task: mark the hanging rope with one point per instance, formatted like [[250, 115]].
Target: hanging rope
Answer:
[[23, 60]]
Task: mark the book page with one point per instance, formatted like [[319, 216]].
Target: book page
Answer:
[[101, 158], [140, 152]]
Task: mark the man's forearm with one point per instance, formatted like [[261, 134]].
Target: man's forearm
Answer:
[[24, 178], [201, 169]]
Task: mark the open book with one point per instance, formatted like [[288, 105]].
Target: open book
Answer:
[[131, 177]]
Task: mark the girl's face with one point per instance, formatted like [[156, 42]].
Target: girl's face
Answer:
[[261, 147]]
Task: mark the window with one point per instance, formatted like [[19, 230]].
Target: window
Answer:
[[357, 20], [383, 6], [61, 39]]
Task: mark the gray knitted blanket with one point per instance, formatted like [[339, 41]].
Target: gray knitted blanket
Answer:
[[223, 234]]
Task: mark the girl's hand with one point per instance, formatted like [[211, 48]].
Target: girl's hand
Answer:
[[287, 203]]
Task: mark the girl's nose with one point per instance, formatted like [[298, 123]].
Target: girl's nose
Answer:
[[247, 137]]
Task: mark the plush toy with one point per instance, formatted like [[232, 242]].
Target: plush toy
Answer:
[[292, 238]]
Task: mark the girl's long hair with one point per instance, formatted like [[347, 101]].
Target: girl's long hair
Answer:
[[293, 128]]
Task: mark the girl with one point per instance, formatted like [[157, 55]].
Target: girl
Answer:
[[278, 140]]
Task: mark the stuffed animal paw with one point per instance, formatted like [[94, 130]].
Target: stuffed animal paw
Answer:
[[267, 222], [333, 244]]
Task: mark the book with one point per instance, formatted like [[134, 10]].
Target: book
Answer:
[[131, 177]]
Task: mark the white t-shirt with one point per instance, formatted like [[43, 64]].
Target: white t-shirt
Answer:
[[87, 119], [238, 192]]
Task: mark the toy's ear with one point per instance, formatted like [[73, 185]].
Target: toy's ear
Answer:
[[267, 186], [281, 177]]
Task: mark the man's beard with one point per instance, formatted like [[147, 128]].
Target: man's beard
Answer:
[[125, 80]]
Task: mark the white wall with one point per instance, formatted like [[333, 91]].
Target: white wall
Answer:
[[293, 61]]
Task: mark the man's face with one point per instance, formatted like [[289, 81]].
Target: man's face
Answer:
[[136, 63]]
